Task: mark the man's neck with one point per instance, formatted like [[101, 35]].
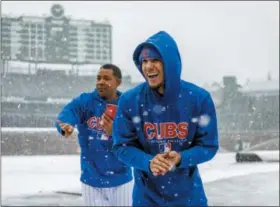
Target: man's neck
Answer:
[[113, 97], [160, 90]]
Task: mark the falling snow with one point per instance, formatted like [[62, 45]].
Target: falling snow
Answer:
[[251, 119], [136, 119], [158, 109], [195, 120], [145, 113], [204, 120]]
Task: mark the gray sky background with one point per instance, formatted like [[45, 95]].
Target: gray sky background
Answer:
[[215, 38]]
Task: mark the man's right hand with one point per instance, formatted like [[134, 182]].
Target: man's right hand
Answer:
[[159, 165], [66, 128]]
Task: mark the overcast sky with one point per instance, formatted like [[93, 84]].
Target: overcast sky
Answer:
[[215, 38]]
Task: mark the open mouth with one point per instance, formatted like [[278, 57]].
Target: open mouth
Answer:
[[102, 89], [152, 75]]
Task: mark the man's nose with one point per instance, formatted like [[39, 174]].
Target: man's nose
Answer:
[[149, 64], [101, 81]]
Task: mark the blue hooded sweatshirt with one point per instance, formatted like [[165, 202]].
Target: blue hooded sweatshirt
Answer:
[[99, 166], [183, 120]]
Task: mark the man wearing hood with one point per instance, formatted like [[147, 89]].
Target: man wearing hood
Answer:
[[164, 128], [105, 180]]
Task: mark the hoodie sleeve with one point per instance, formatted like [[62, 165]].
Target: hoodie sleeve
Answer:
[[126, 145], [205, 144], [71, 113]]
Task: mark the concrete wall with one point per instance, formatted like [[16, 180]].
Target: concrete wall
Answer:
[[44, 142]]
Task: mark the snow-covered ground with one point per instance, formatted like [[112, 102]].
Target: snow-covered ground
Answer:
[[33, 180]]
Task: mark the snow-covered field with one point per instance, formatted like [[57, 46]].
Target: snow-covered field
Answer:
[[34, 180]]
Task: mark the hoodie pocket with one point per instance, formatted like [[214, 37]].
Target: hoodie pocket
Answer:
[[178, 180]]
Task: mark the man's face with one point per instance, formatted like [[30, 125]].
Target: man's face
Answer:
[[153, 72], [106, 83]]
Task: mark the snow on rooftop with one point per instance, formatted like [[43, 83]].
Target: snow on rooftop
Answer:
[[261, 86]]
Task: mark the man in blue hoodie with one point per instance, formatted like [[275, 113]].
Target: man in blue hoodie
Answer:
[[105, 180], [164, 128]]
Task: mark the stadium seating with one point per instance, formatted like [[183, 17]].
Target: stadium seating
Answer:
[[241, 113], [48, 85], [33, 110]]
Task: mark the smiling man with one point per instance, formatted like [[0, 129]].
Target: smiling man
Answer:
[[105, 180], [164, 128], [152, 68]]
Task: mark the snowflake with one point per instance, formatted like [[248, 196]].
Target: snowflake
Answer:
[[195, 120], [157, 109], [136, 119], [110, 172], [145, 113], [204, 120]]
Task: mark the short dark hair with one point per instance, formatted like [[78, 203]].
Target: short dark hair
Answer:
[[116, 70]]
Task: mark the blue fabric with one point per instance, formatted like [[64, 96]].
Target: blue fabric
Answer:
[[99, 166], [183, 119]]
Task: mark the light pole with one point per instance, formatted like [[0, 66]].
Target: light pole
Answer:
[[3, 58], [7, 63]]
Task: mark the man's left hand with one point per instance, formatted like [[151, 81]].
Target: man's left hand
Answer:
[[107, 124], [174, 158]]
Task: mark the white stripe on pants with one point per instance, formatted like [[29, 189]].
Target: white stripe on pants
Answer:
[[115, 196]]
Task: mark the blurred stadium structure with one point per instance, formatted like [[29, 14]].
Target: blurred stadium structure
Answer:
[[46, 61]]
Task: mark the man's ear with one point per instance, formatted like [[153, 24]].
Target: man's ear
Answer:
[[119, 82]]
